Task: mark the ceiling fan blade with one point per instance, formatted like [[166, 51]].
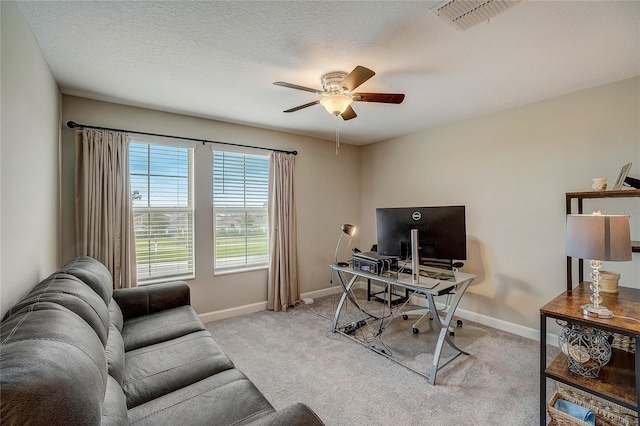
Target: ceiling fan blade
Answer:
[[348, 113], [385, 98], [295, 86], [358, 76], [298, 108]]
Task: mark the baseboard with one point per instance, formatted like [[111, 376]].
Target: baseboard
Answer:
[[261, 306], [499, 324], [233, 312], [509, 327]]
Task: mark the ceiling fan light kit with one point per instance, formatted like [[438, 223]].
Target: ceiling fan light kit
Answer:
[[336, 104], [337, 92]]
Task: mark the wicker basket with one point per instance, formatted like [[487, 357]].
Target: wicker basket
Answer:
[[624, 343], [560, 418], [607, 413]]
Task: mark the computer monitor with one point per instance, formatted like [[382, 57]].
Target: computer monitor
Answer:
[[441, 231]]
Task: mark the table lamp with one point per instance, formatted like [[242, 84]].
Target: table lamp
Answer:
[[598, 237], [349, 230]]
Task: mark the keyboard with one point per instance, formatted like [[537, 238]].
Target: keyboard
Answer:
[[439, 275]]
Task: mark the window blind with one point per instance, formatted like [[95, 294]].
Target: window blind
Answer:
[[162, 194], [240, 207]]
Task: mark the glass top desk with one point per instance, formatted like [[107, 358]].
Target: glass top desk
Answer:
[[456, 286]]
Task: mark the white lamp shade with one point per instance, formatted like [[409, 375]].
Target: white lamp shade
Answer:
[[598, 237], [336, 104]]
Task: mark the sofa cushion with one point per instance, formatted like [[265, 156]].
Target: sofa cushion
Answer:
[[52, 368], [148, 299], [158, 369], [294, 414], [227, 398], [92, 273], [160, 327], [68, 291], [114, 352], [115, 314], [114, 407]]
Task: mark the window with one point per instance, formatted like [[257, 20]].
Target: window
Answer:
[[162, 193], [240, 201]]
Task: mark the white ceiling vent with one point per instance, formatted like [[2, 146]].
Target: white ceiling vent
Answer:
[[464, 14]]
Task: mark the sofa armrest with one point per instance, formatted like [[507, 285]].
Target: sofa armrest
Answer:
[[296, 414], [147, 299]]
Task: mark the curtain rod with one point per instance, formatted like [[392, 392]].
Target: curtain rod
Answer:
[[74, 125]]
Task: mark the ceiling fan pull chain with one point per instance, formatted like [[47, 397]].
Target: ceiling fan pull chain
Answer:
[[337, 133]]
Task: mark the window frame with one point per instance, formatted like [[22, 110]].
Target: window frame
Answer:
[[245, 267], [189, 209]]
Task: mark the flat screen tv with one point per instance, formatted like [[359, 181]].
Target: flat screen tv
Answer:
[[441, 231]]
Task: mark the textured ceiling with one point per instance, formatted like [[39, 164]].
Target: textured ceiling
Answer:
[[219, 59]]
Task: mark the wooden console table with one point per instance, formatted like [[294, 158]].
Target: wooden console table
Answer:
[[618, 381]]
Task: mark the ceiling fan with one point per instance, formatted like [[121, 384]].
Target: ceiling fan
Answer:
[[337, 94]]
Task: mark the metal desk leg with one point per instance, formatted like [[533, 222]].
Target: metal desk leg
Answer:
[[444, 328], [637, 375], [346, 289], [543, 367]]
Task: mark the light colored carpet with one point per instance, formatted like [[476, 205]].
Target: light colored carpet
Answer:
[[293, 357]]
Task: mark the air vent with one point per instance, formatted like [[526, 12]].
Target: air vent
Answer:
[[464, 14]]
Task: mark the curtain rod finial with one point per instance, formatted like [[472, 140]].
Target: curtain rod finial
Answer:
[[72, 124]]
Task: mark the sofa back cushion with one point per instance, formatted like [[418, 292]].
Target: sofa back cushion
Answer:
[[114, 352], [68, 291], [52, 368], [92, 273], [115, 313], [114, 407]]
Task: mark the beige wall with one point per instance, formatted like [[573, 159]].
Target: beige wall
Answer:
[[511, 170], [28, 161], [326, 190]]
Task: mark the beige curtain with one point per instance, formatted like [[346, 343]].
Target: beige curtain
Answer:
[[283, 290], [104, 219]]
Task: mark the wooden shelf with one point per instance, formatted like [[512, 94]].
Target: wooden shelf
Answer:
[[615, 382], [625, 303], [622, 193]]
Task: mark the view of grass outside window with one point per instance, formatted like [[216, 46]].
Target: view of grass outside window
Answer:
[[162, 194], [240, 201]]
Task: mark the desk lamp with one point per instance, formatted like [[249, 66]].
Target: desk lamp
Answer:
[[598, 237], [349, 230]]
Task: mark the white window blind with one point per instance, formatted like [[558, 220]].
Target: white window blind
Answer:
[[162, 193], [240, 207]]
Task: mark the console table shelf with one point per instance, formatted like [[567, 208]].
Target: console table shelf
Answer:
[[617, 381]]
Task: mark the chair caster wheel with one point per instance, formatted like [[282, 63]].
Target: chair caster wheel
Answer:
[[415, 330], [452, 333], [431, 319], [405, 317], [459, 323]]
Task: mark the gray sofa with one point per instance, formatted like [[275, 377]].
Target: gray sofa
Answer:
[[76, 352]]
